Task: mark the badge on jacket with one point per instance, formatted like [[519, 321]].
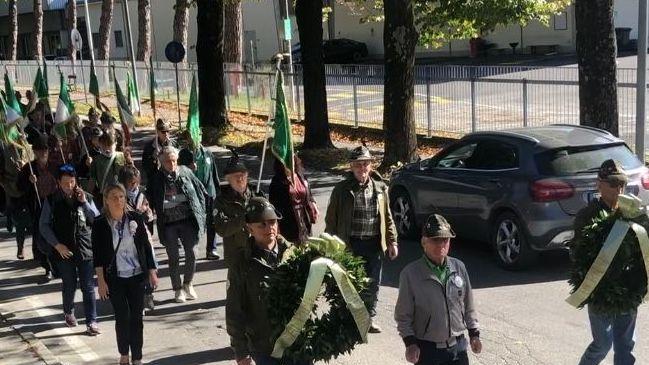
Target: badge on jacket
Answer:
[[457, 280]]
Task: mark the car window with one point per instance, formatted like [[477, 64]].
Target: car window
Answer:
[[574, 160], [493, 155], [456, 157]]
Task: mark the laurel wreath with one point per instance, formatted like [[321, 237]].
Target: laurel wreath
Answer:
[[624, 286], [326, 336]]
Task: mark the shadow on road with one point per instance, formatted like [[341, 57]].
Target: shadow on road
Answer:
[[196, 358]]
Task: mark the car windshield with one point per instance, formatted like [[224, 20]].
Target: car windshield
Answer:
[[584, 159]]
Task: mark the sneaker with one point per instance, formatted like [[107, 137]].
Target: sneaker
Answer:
[[374, 328], [212, 255], [180, 296], [93, 329], [189, 290], [148, 302], [70, 320]]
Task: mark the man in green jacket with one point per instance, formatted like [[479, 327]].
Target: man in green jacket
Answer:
[[359, 214], [230, 208], [245, 310]]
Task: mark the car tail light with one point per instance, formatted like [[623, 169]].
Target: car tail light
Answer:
[[551, 190], [645, 180]]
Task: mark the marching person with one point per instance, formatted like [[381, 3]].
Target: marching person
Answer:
[[38, 179], [108, 126], [178, 199], [435, 303], [151, 151], [359, 214], [230, 209], [65, 223], [617, 330], [105, 167], [124, 263], [201, 161], [292, 197], [245, 310]]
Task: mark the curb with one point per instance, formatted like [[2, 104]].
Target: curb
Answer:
[[40, 350]]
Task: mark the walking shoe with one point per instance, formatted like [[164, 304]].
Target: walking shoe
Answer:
[[180, 296], [136, 362], [189, 290], [148, 302], [70, 320], [93, 329], [48, 276], [212, 255], [20, 255], [374, 328]]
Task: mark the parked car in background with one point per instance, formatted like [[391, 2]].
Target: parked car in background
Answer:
[[340, 50], [519, 189]]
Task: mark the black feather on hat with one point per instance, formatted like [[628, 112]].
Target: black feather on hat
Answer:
[[234, 165]]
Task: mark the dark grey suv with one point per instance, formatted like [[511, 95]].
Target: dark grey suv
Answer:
[[518, 189]]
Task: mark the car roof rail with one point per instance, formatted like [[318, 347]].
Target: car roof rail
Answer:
[[506, 134], [595, 129]]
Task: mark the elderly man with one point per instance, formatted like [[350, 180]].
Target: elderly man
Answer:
[[230, 208], [435, 302], [359, 214], [245, 309], [608, 330], [154, 146], [178, 199]]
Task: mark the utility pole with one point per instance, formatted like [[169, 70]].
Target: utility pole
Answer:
[[641, 91]]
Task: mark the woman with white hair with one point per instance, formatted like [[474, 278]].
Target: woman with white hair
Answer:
[[178, 199]]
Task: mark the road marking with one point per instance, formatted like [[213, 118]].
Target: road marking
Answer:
[[74, 342]]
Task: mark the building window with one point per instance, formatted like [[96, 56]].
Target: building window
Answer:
[[561, 21], [119, 42]]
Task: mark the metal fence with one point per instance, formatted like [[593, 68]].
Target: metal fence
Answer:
[[448, 99]]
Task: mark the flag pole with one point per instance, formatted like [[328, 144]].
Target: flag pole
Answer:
[[268, 125], [31, 169]]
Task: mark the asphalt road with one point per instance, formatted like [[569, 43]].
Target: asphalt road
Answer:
[[523, 315]]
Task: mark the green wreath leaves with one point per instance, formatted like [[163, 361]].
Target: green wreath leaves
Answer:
[[624, 286], [333, 333]]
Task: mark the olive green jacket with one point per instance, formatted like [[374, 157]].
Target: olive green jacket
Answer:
[[341, 207], [246, 316], [229, 220]]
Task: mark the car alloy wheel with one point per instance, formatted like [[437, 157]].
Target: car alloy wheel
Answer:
[[508, 241], [401, 213]]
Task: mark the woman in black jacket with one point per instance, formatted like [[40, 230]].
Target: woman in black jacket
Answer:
[[292, 198], [123, 261]]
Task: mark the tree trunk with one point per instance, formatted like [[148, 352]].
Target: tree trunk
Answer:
[[181, 22], [144, 30], [596, 57], [308, 14], [103, 49], [13, 30], [399, 41], [37, 36], [71, 22], [209, 54], [233, 33]]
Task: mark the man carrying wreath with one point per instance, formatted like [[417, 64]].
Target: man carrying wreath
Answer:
[[607, 328]]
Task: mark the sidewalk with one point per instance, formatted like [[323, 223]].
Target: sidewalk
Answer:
[[15, 350]]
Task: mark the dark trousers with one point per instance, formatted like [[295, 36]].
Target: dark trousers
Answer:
[[19, 214], [187, 232], [429, 354], [370, 251], [127, 298], [209, 221], [83, 270], [40, 248], [267, 360]]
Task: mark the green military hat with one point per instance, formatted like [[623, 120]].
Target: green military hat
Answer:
[[361, 153], [437, 226], [260, 209], [611, 171], [234, 165]]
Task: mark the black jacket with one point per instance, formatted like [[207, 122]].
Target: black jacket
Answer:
[[102, 243], [150, 163], [279, 196]]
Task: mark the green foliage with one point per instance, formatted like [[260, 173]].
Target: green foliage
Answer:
[[624, 285], [333, 333], [438, 21]]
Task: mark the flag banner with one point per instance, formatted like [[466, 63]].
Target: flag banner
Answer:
[[282, 146], [8, 131], [133, 95], [13, 109], [125, 115], [94, 83], [193, 120], [64, 109]]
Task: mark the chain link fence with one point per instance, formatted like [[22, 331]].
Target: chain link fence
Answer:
[[451, 100]]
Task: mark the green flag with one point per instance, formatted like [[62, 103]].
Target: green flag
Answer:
[[13, 111], [47, 84], [133, 94], [8, 131], [39, 91], [125, 115], [193, 120], [64, 109], [152, 85], [94, 83], [282, 146]]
